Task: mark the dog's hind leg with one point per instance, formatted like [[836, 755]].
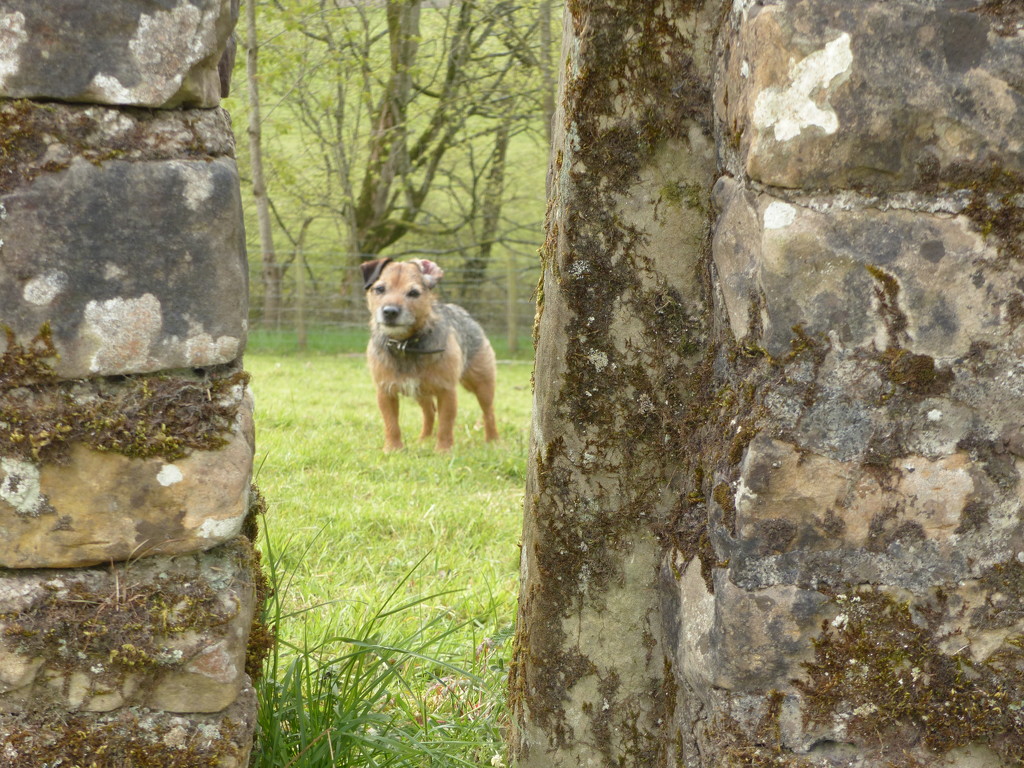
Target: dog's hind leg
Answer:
[[480, 378], [485, 396], [429, 409], [447, 409], [388, 404]]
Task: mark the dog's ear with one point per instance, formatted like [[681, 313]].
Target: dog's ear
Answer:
[[372, 270], [431, 272]]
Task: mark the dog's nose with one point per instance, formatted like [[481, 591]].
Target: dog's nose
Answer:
[[390, 313]]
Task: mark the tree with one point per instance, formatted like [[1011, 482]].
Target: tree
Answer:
[[272, 270], [390, 115]]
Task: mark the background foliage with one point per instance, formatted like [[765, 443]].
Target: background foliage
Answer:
[[399, 128]]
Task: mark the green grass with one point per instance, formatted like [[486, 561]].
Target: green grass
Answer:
[[397, 574]]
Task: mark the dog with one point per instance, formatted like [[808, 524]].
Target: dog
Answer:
[[423, 348]]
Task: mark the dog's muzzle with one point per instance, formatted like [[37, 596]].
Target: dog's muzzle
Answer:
[[389, 314]]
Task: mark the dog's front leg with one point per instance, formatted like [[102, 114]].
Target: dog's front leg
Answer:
[[388, 404], [427, 404], [447, 408]]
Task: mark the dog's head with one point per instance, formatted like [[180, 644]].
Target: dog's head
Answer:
[[400, 295]]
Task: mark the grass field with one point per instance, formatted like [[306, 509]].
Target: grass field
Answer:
[[428, 540]]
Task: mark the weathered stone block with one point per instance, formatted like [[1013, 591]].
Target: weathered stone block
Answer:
[[133, 736], [101, 507], [760, 637], [863, 276], [144, 269], [787, 499], [129, 52], [875, 94], [164, 633]]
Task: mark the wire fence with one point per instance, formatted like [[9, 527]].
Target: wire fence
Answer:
[[329, 297]]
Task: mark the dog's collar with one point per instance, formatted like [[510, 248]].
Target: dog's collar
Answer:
[[409, 347]]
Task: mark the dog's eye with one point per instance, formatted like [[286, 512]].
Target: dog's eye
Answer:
[[379, 288], [413, 294]]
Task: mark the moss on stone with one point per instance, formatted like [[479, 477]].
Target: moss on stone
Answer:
[[996, 205], [140, 416], [30, 130], [130, 740], [635, 88], [882, 667], [123, 626], [263, 634], [1009, 14]]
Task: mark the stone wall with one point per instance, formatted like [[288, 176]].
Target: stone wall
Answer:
[[127, 592], [823, 441]]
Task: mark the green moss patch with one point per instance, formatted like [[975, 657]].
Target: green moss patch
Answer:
[[128, 740], [881, 665], [119, 622], [263, 634], [141, 416], [30, 131]]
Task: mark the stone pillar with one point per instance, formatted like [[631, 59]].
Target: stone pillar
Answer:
[[807, 549], [860, 457], [126, 590], [620, 331]]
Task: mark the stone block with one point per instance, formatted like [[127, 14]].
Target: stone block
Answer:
[[166, 633], [98, 507], [760, 637], [789, 499], [127, 52], [133, 736], [865, 277], [798, 517], [123, 231], [872, 94]]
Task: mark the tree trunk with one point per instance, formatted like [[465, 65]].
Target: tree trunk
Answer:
[[475, 269], [805, 550], [547, 71], [301, 267], [272, 272]]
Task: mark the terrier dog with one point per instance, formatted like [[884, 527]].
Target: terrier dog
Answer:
[[422, 348]]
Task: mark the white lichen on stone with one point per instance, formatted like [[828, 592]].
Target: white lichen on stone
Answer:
[[20, 487], [779, 215], [123, 331], [43, 289], [202, 349], [792, 109], [198, 184], [578, 268], [598, 359], [109, 89], [167, 45], [169, 474], [220, 529], [744, 496], [12, 36]]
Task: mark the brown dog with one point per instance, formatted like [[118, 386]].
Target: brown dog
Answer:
[[423, 348]]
